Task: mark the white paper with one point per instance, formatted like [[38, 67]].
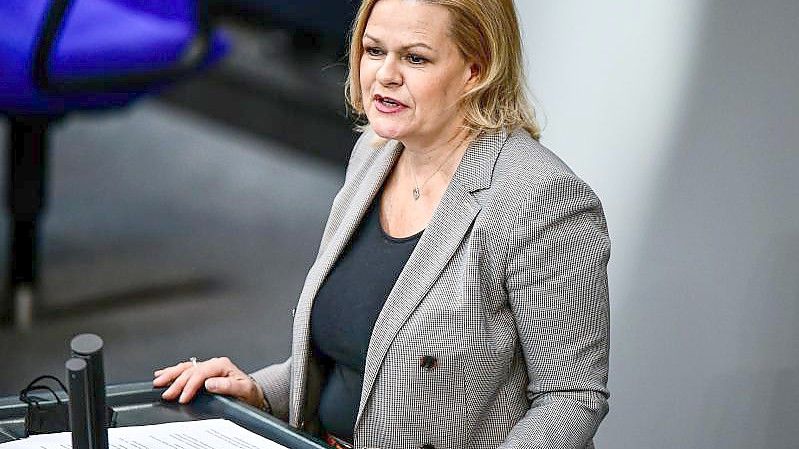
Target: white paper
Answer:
[[204, 434]]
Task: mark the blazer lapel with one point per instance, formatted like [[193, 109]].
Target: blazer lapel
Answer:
[[450, 223], [361, 193]]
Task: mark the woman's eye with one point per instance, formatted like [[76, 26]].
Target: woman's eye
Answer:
[[373, 51], [416, 59]]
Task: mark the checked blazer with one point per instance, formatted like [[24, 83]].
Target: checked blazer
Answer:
[[496, 332]]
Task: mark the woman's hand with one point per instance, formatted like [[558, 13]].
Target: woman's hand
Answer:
[[218, 375]]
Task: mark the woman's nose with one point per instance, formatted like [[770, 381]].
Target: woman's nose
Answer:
[[388, 74]]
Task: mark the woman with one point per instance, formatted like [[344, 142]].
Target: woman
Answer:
[[459, 296]]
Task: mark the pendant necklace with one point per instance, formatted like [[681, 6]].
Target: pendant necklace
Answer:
[[417, 189]]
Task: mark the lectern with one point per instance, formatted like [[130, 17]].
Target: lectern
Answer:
[[140, 404]]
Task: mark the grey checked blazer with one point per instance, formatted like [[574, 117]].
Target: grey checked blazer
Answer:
[[506, 290]]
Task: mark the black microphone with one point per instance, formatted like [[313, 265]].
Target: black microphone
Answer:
[[77, 378], [89, 347]]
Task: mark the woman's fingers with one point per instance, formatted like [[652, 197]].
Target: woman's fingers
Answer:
[[165, 376], [187, 379], [197, 380], [236, 384], [222, 385], [176, 388]]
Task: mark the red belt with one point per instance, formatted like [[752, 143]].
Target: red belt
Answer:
[[337, 443]]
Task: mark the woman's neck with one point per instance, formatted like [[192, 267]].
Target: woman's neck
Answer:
[[425, 158]]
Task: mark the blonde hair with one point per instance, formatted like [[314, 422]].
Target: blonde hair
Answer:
[[487, 33]]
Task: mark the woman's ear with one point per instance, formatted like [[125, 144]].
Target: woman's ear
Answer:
[[472, 76]]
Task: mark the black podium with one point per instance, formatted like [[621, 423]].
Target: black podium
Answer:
[[140, 404]]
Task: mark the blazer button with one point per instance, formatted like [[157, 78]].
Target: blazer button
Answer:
[[428, 362], [427, 446]]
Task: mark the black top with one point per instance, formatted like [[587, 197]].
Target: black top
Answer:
[[344, 313]]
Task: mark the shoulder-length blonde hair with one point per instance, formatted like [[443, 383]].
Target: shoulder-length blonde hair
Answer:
[[487, 34]]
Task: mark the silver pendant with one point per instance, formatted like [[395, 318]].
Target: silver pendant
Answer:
[[416, 193]]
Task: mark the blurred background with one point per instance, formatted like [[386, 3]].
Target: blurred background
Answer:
[[183, 223]]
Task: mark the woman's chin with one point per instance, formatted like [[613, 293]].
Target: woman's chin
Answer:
[[387, 132]]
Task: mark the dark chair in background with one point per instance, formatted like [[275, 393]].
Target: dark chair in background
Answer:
[[62, 56], [309, 20]]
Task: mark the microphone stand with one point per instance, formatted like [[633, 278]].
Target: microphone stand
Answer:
[[87, 405]]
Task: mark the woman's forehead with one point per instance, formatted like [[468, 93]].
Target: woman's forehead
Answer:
[[405, 22]]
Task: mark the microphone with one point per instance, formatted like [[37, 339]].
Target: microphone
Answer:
[[77, 378], [89, 347]]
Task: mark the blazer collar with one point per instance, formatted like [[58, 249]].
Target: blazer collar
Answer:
[[477, 165]]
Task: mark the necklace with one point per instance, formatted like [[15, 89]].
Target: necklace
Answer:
[[417, 189]]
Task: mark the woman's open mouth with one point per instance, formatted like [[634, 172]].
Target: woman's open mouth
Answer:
[[388, 105]]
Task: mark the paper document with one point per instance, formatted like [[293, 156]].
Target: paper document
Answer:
[[205, 434]]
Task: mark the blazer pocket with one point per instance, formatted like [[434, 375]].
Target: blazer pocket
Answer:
[[437, 398], [439, 401], [423, 379]]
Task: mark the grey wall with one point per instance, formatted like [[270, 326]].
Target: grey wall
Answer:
[[683, 117]]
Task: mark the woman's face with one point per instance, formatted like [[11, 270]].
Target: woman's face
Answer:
[[412, 74]]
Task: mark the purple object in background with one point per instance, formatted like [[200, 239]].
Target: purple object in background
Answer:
[[58, 56], [100, 37]]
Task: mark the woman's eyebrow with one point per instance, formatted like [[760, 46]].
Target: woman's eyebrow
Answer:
[[405, 47]]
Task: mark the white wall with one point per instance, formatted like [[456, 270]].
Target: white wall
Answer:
[[608, 78], [683, 117]]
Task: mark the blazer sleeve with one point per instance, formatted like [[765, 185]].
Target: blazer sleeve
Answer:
[[556, 279], [275, 381]]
